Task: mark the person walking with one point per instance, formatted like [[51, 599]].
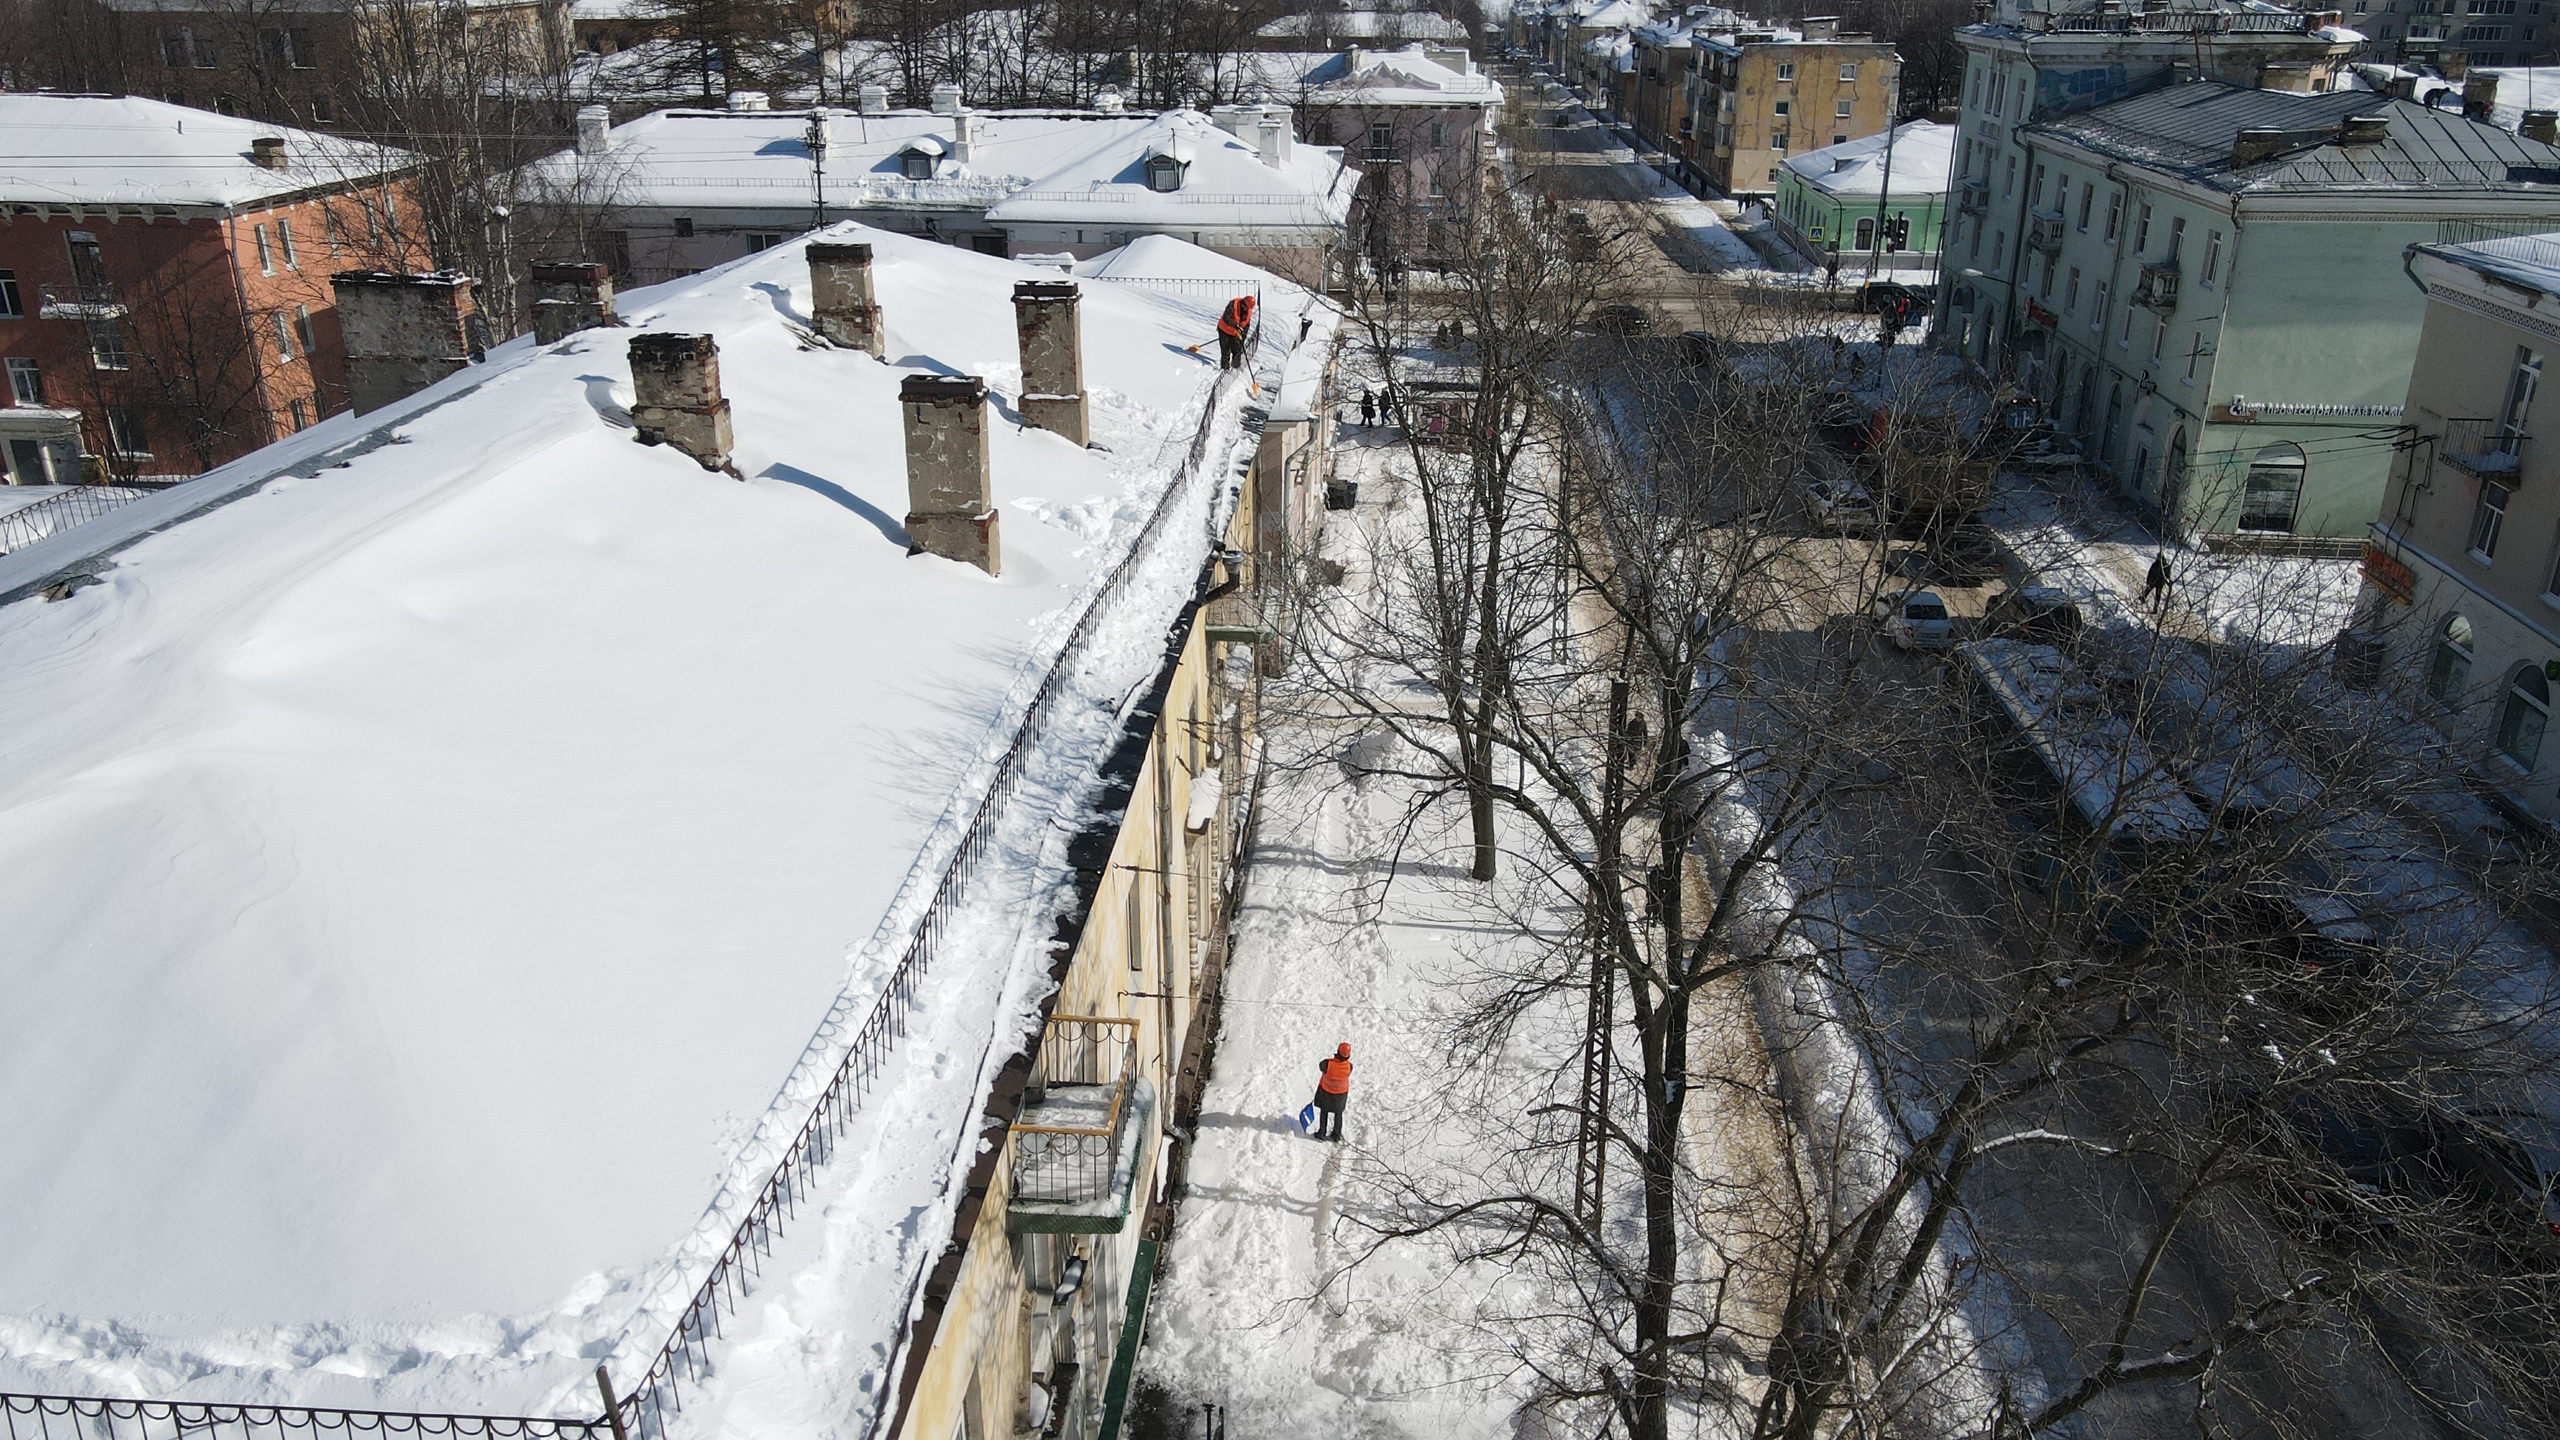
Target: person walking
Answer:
[[1368, 407], [2155, 583], [1234, 324], [1333, 1090]]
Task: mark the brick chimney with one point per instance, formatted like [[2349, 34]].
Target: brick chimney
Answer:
[[267, 152], [2542, 125], [1045, 319], [2479, 94], [403, 332], [874, 100], [950, 491], [841, 300], [595, 130], [570, 296], [675, 387]]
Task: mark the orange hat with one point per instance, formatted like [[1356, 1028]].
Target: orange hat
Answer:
[[1344, 1050]]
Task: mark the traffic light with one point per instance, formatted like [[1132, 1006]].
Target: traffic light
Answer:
[[1897, 233]]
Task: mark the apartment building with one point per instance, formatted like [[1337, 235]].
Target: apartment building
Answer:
[[165, 273], [2462, 573], [2204, 284], [1418, 122], [1763, 95]]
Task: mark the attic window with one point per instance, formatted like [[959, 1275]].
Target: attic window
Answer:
[[1164, 173], [916, 164]]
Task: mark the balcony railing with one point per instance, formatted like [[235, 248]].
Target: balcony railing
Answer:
[[2157, 287], [2490, 449], [1973, 197], [73, 302], [1075, 1149], [2044, 231]]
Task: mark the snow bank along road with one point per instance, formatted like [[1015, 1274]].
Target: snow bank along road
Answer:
[[423, 873]]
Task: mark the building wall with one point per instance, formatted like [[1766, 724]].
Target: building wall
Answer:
[[2465, 361], [1743, 133], [207, 375], [1150, 943], [1432, 162], [1815, 221]]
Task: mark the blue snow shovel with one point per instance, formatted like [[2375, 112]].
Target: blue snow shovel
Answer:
[[1307, 1119]]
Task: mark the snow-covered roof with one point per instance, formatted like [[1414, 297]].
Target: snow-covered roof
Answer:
[[603, 10], [2531, 262], [126, 150], [1367, 25], [1924, 157], [425, 870], [1226, 185], [1362, 78]]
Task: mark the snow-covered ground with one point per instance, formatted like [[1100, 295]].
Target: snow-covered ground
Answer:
[[431, 880]]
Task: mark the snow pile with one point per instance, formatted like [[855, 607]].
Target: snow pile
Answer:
[[423, 871]]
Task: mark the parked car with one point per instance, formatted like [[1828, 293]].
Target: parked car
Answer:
[[1915, 620], [1621, 320], [1916, 299], [2036, 613], [1840, 507], [1964, 555]]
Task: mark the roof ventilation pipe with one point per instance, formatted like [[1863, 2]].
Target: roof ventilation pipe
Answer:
[[749, 100], [874, 100], [595, 130], [946, 99], [964, 137], [1271, 136]]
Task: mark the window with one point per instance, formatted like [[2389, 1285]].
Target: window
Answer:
[[1782, 109], [2071, 293], [2045, 291], [1839, 139], [284, 242], [284, 336], [2527, 712], [10, 307], [335, 228], [2177, 237], [2195, 356], [2212, 258], [2273, 492], [181, 48], [1840, 111], [2159, 340], [125, 433], [2551, 576], [1866, 234], [2009, 178], [324, 110], [2098, 307], [2124, 331], [1999, 248], [1848, 72], [1382, 140], [300, 412], [88, 266], [2035, 189], [1431, 187], [1164, 173], [106, 344], [684, 223], [2521, 386], [266, 252], [2022, 97], [2452, 668], [1439, 134], [2088, 196], [2487, 518], [302, 328], [2115, 215], [2142, 232], [762, 240], [289, 49], [26, 382], [1786, 74], [1778, 142]]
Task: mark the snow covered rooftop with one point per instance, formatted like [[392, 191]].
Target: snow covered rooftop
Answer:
[[2529, 262], [1367, 25], [126, 150], [1924, 156], [424, 870], [1410, 76], [1225, 184]]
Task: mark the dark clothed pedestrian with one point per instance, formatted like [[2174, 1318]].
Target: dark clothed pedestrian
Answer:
[[1368, 407], [1333, 1090], [2155, 583]]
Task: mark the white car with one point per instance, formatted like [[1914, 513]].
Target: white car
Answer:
[[1915, 619]]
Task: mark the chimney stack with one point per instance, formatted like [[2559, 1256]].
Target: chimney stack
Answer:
[[2365, 130], [841, 300], [946, 99], [267, 152], [1109, 102], [950, 480], [570, 296], [403, 333], [1046, 320], [676, 400], [2542, 125], [2251, 146], [1271, 136], [1820, 27], [595, 130], [750, 100], [874, 100], [964, 137], [2480, 94]]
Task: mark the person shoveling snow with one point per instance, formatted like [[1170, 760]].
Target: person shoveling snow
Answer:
[[1323, 1117]]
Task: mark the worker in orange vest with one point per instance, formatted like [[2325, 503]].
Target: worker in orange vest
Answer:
[[1234, 324], [1333, 1089]]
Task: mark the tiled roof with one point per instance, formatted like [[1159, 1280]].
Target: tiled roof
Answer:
[[2188, 130]]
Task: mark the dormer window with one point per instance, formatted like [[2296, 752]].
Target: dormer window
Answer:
[[916, 164], [1164, 173]]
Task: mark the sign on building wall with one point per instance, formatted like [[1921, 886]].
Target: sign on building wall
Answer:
[[2059, 92], [2388, 574]]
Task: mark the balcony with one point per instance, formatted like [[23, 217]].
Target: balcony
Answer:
[[1083, 1132], [2484, 449], [69, 302], [1974, 197], [2156, 287], [2044, 231]]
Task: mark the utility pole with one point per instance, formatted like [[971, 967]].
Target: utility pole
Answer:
[[1884, 192], [816, 140]]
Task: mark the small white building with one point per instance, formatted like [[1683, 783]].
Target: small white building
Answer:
[[680, 191]]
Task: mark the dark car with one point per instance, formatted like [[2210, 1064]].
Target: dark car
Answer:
[[1875, 295], [1621, 320], [1964, 555], [2037, 613]]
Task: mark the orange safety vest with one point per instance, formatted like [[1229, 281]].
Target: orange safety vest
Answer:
[[1337, 1077], [1238, 317]]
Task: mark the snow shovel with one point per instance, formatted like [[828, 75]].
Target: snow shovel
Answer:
[[1307, 1119]]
